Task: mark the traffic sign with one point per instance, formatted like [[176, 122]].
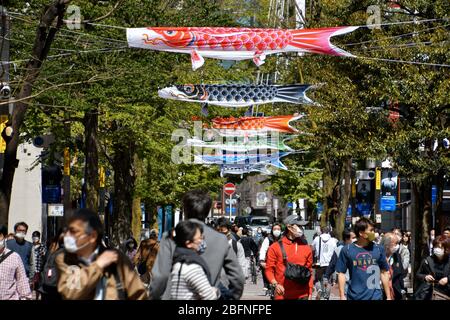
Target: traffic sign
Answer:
[[55, 210], [433, 194], [229, 189]]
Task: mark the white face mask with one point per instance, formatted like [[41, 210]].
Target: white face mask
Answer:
[[438, 252], [354, 240], [2, 243], [296, 231], [20, 235], [35, 239], [276, 233], [70, 243], [395, 249]]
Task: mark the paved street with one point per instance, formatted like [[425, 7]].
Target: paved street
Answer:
[[256, 292]]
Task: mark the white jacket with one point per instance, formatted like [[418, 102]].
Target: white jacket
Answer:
[[325, 246], [264, 247]]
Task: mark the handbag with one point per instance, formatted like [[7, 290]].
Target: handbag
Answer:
[[437, 295], [427, 291], [121, 290], [423, 292], [295, 272]]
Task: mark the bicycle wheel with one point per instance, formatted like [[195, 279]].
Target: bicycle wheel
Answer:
[[253, 272]]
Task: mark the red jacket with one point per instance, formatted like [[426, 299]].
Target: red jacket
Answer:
[[297, 253]]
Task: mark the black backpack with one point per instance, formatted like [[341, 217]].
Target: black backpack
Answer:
[[49, 278]]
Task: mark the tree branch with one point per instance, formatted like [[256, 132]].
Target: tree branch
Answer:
[[118, 3], [91, 80]]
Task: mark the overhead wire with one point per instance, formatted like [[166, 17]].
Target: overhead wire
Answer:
[[393, 37], [405, 62]]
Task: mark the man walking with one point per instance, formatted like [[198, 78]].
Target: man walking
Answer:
[[37, 257], [348, 236], [89, 271], [367, 266], [323, 247], [290, 250], [21, 246], [218, 254], [14, 283], [250, 249]]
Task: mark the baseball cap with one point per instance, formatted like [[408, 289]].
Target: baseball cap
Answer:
[[295, 219]]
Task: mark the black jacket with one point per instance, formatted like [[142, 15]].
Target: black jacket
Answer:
[[398, 273], [249, 246], [438, 269], [331, 266]]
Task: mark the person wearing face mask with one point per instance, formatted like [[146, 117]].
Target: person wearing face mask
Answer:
[[48, 286], [323, 248], [348, 236], [88, 270], [131, 249], [394, 259], [403, 250], [367, 265], [14, 283], [434, 272], [146, 256], [258, 237], [250, 250], [290, 252], [38, 253], [224, 227], [218, 254], [274, 236], [190, 276], [21, 246]]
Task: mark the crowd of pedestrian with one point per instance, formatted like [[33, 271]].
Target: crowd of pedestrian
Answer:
[[199, 261]]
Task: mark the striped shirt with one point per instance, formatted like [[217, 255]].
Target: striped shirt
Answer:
[[191, 283], [14, 283]]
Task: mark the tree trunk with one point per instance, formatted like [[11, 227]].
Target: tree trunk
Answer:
[[422, 213], [345, 192], [136, 219], [124, 184], [328, 206], [45, 35], [332, 176], [137, 212], [91, 152]]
